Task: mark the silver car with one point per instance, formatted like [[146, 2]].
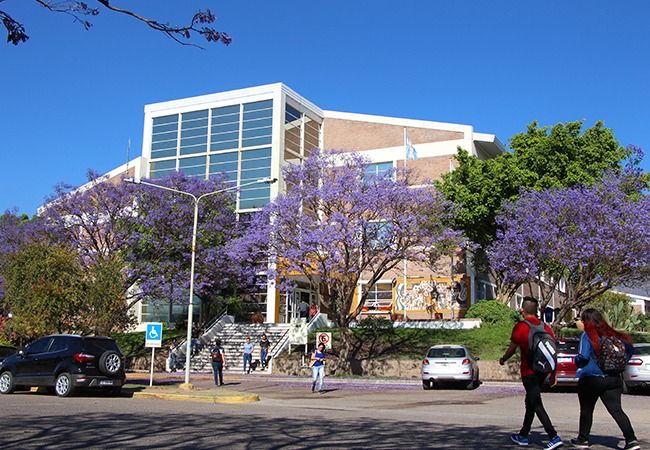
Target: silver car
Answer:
[[637, 371], [450, 363]]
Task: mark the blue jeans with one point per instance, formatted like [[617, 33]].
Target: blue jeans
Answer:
[[318, 375], [263, 353], [217, 369], [248, 357]]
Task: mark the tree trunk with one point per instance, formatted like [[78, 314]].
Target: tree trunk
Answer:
[[344, 364]]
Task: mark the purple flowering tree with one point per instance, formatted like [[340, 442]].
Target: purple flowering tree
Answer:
[[159, 248], [337, 226], [588, 238]]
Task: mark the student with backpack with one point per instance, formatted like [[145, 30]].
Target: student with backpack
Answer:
[[218, 360], [536, 344], [604, 353]]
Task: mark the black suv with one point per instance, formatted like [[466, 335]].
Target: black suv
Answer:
[[63, 363]]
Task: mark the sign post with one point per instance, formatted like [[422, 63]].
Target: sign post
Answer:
[[153, 339]]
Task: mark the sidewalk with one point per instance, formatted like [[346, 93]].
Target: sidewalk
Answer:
[[168, 387]]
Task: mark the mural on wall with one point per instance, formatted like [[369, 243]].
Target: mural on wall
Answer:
[[432, 296]]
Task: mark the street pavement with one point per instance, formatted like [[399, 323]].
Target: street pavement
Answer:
[[352, 413]]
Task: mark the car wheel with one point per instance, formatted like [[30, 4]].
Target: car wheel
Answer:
[[64, 385], [426, 385], [110, 363], [7, 383]]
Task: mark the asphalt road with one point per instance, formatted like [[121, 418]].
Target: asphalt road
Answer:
[[351, 414]]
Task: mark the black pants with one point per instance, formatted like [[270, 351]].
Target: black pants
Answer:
[[217, 368], [609, 390], [534, 406]]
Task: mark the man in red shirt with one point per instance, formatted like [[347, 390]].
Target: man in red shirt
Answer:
[[532, 380]]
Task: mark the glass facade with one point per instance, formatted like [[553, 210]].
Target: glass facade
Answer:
[[233, 142]]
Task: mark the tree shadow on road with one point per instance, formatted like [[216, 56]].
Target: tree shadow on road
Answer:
[[244, 431]]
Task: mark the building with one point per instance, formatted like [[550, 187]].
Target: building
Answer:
[[249, 134]]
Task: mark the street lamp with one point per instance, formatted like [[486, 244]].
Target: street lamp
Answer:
[[190, 307]]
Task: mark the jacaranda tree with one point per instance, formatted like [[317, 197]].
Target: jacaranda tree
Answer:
[[587, 238], [159, 246], [337, 226]]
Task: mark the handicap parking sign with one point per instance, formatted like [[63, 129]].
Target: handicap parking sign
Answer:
[[153, 335]]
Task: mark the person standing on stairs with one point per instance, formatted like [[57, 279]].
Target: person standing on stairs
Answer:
[[248, 353]]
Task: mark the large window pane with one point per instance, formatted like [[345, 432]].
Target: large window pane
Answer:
[[192, 166], [160, 169], [164, 136], [256, 141]]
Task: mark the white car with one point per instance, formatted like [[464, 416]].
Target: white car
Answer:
[[449, 364], [637, 371]]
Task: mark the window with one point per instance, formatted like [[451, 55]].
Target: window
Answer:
[[59, 344], [380, 298], [377, 170], [257, 121], [193, 167], [224, 164], [224, 132], [39, 346], [446, 353], [164, 136], [255, 165], [194, 132], [160, 169]]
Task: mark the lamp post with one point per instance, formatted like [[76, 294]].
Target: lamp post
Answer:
[[190, 306]]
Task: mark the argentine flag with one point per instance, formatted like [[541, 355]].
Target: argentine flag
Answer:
[[411, 153]]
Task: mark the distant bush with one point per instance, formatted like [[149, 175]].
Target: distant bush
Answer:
[[492, 312]]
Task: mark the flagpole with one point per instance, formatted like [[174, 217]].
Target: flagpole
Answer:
[[406, 157]]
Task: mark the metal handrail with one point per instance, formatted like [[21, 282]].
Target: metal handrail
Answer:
[[180, 348]]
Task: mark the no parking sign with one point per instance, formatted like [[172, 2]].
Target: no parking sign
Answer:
[[324, 338]]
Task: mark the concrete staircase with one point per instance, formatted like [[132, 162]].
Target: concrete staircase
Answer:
[[233, 336]]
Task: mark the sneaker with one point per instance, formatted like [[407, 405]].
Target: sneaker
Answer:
[[579, 443], [632, 445], [519, 439], [321, 391], [554, 443]]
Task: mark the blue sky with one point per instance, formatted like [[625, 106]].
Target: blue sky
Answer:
[[71, 99]]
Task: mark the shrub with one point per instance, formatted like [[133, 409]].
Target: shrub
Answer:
[[492, 312]]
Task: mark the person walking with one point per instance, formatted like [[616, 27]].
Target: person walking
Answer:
[[265, 344], [531, 380], [595, 382], [317, 364], [218, 360], [248, 354]]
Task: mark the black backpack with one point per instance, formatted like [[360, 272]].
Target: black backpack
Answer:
[[542, 349], [612, 356]]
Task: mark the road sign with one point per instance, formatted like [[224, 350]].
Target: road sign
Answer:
[[153, 335], [324, 338]]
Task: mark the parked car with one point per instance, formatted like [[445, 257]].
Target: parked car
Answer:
[[637, 371], [63, 363], [566, 368], [450, 363]]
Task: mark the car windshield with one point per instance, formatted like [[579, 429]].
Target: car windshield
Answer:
[[568, 347], [643, 350], [446, 353]]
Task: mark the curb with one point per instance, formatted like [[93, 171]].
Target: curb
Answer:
[[240, 398]]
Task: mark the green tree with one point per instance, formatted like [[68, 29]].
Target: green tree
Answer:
[[44, 289], [542, 157]]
